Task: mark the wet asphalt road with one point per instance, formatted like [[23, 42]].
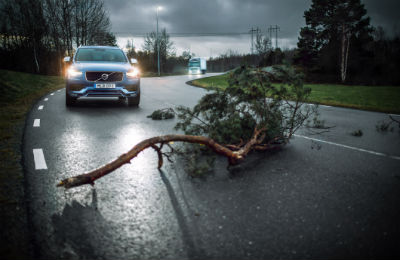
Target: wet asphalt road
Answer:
[[308, 200]]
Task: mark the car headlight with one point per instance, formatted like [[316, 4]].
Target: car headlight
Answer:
[[74, 73], [133, 73]]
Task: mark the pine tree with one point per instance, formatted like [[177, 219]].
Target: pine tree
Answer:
[[332, 23]]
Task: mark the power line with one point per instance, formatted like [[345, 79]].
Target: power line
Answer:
[[185, 34]]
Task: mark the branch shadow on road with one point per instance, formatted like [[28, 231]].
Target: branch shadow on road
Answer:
[[193, 251], [81, 231]]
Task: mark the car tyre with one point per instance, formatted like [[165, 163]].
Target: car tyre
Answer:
[[69, 101], [134, 101]]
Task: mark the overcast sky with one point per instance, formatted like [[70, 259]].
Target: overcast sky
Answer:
[[132, 18]]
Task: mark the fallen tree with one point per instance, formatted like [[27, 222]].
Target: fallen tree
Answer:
[[231, 122]]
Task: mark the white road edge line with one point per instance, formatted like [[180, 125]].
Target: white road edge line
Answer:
[[40, 107], [38, 157], [349, 147], [46, 99], [36, 123]]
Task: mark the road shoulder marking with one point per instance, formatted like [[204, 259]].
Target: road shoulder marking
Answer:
[[38, 157], [349, 147], [36, 123]]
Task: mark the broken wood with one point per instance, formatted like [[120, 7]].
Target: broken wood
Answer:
[[157, 143]]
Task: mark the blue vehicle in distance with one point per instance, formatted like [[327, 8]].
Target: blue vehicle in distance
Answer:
[[102, 71]]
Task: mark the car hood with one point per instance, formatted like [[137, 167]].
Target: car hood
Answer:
[[102, 66]]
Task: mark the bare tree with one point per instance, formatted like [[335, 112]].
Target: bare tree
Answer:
[[262, 44], [166, 46], [90, 21]]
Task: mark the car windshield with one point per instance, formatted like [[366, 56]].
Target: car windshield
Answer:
[[100, 54]]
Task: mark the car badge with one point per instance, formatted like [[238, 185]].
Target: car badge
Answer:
[[104, 76]]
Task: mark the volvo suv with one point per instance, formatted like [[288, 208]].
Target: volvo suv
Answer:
[[102, 71]]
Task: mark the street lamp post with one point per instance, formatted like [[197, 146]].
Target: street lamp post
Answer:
[[158, 44]]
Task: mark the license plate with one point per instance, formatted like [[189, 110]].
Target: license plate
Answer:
[[105, 85]]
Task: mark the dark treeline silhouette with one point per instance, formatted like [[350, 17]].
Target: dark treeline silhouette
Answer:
[[232, 60], [375, 63], [36, 34], [338, 44]]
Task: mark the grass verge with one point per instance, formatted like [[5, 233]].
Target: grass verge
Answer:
[[374, 98], [19, 91]]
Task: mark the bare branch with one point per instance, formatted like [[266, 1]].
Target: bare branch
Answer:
[[160, 155], [90, 177]]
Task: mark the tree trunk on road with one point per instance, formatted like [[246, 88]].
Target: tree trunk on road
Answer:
[[235, 154]]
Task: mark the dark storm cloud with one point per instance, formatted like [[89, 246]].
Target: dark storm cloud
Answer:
[[221, 16], [206, 16], [133, 18], [384, 13]]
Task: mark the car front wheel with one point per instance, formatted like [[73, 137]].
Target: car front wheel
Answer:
[[134, 101], [69, 101]]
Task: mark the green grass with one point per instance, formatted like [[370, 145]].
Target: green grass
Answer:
[[374, 98], [19, 91]]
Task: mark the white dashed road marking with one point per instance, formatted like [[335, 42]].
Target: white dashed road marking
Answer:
[[46, 99], [350, 147], [36, 123], [52, 94], [38, 157], [40, 107]]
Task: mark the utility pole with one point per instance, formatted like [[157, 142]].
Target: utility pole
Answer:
[[252, 31], [276, 36], [275, 29]]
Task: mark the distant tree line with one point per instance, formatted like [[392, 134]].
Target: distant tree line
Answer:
[[231, 59], [148, 58], [264, 55], [36, 34]]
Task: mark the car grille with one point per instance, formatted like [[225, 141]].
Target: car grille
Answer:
[[98, 76]]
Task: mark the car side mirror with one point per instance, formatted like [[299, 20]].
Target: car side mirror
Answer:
[[67, 59], [134, 61]]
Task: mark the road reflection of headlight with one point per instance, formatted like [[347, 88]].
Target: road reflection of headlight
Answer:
[[194, 76]]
